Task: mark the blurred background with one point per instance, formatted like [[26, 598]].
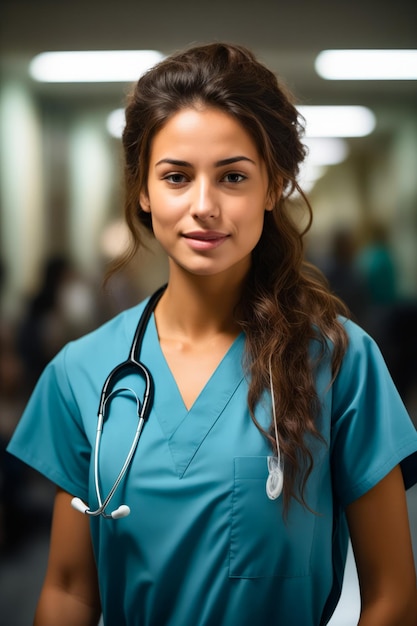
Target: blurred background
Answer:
[[61, 198]]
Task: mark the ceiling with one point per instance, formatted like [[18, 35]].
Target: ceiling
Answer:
[[287, 36]]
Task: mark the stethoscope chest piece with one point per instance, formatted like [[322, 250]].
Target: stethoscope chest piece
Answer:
[[275, 480]]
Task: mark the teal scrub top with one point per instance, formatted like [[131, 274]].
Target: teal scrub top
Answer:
[[203, 544]]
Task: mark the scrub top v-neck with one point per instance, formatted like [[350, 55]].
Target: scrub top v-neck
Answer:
[[185, 429], [203, 544]]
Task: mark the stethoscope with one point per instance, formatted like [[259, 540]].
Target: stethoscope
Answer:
[[131, 365], [274, 481]]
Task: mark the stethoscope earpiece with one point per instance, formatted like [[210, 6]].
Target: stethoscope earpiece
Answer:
[[79, 505], [122, 511]]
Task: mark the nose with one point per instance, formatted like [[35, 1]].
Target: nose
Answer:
[[204, 203]]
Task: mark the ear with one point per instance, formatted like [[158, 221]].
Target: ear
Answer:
[[270, 201], [269, 204], [144, 201], [273, 196]]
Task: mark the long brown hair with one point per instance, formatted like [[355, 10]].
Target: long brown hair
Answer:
[[285, 302]]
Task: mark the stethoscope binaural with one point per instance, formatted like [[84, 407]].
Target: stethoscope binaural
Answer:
[[132, 364]]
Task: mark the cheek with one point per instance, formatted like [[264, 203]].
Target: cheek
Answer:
[[165, 207], [251, 230], [163, 227], [164, 222], [254, 219], [255, 235], [258, 224]]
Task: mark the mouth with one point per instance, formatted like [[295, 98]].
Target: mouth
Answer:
[[205, 235], [205, 240]]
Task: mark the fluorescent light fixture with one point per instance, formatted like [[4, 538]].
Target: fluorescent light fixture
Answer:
[[93, 66], [326, 150], [116, 122], [114, 239], [322, 152], [337, 121], [367, 64], [309, 175], [329, 123]]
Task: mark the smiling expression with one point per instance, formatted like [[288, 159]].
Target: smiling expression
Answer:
[[207, 192]]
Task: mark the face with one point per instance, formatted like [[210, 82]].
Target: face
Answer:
[[207, 192]]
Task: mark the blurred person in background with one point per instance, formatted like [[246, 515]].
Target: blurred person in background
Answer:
[[62, 309], [376, 264], [389, 317], [345, 278], [273, 430], [13, 475], [374, 261]]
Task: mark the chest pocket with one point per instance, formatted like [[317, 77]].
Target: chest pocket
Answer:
[[262, 543]]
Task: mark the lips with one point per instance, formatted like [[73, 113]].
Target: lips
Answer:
[[206, 235], [205, 240]]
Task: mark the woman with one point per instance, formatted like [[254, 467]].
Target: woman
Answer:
[[212, 147]]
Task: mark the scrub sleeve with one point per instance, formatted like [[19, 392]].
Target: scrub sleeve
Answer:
[[371, 429]]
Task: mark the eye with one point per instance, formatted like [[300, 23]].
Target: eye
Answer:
[[175, 178], [234, 177]]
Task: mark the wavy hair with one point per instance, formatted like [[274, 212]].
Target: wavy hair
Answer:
[[285, 303]]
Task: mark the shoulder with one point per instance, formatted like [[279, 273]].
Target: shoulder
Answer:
[[93, 355], [361, 346], [114, 335], [352, 339], [355, 332], [363, 377], [362, 366]]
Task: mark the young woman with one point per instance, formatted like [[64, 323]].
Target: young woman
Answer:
[[272, 429]]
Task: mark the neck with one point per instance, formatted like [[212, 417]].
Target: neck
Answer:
[[198, 307]]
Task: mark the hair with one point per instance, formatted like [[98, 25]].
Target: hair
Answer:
[[285, 303]]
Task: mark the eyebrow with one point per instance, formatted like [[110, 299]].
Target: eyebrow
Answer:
[[220, 163]]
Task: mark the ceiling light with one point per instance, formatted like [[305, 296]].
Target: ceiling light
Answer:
[[326, 150], [322, 152], [93, 66], [367, 64], [338, 121], [116, 121], [114, 239], [309, 175], [328, 122]]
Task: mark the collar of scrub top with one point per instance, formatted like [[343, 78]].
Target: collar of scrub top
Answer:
[[131, 365]]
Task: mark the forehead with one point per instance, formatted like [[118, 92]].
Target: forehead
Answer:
[[195, 128]]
